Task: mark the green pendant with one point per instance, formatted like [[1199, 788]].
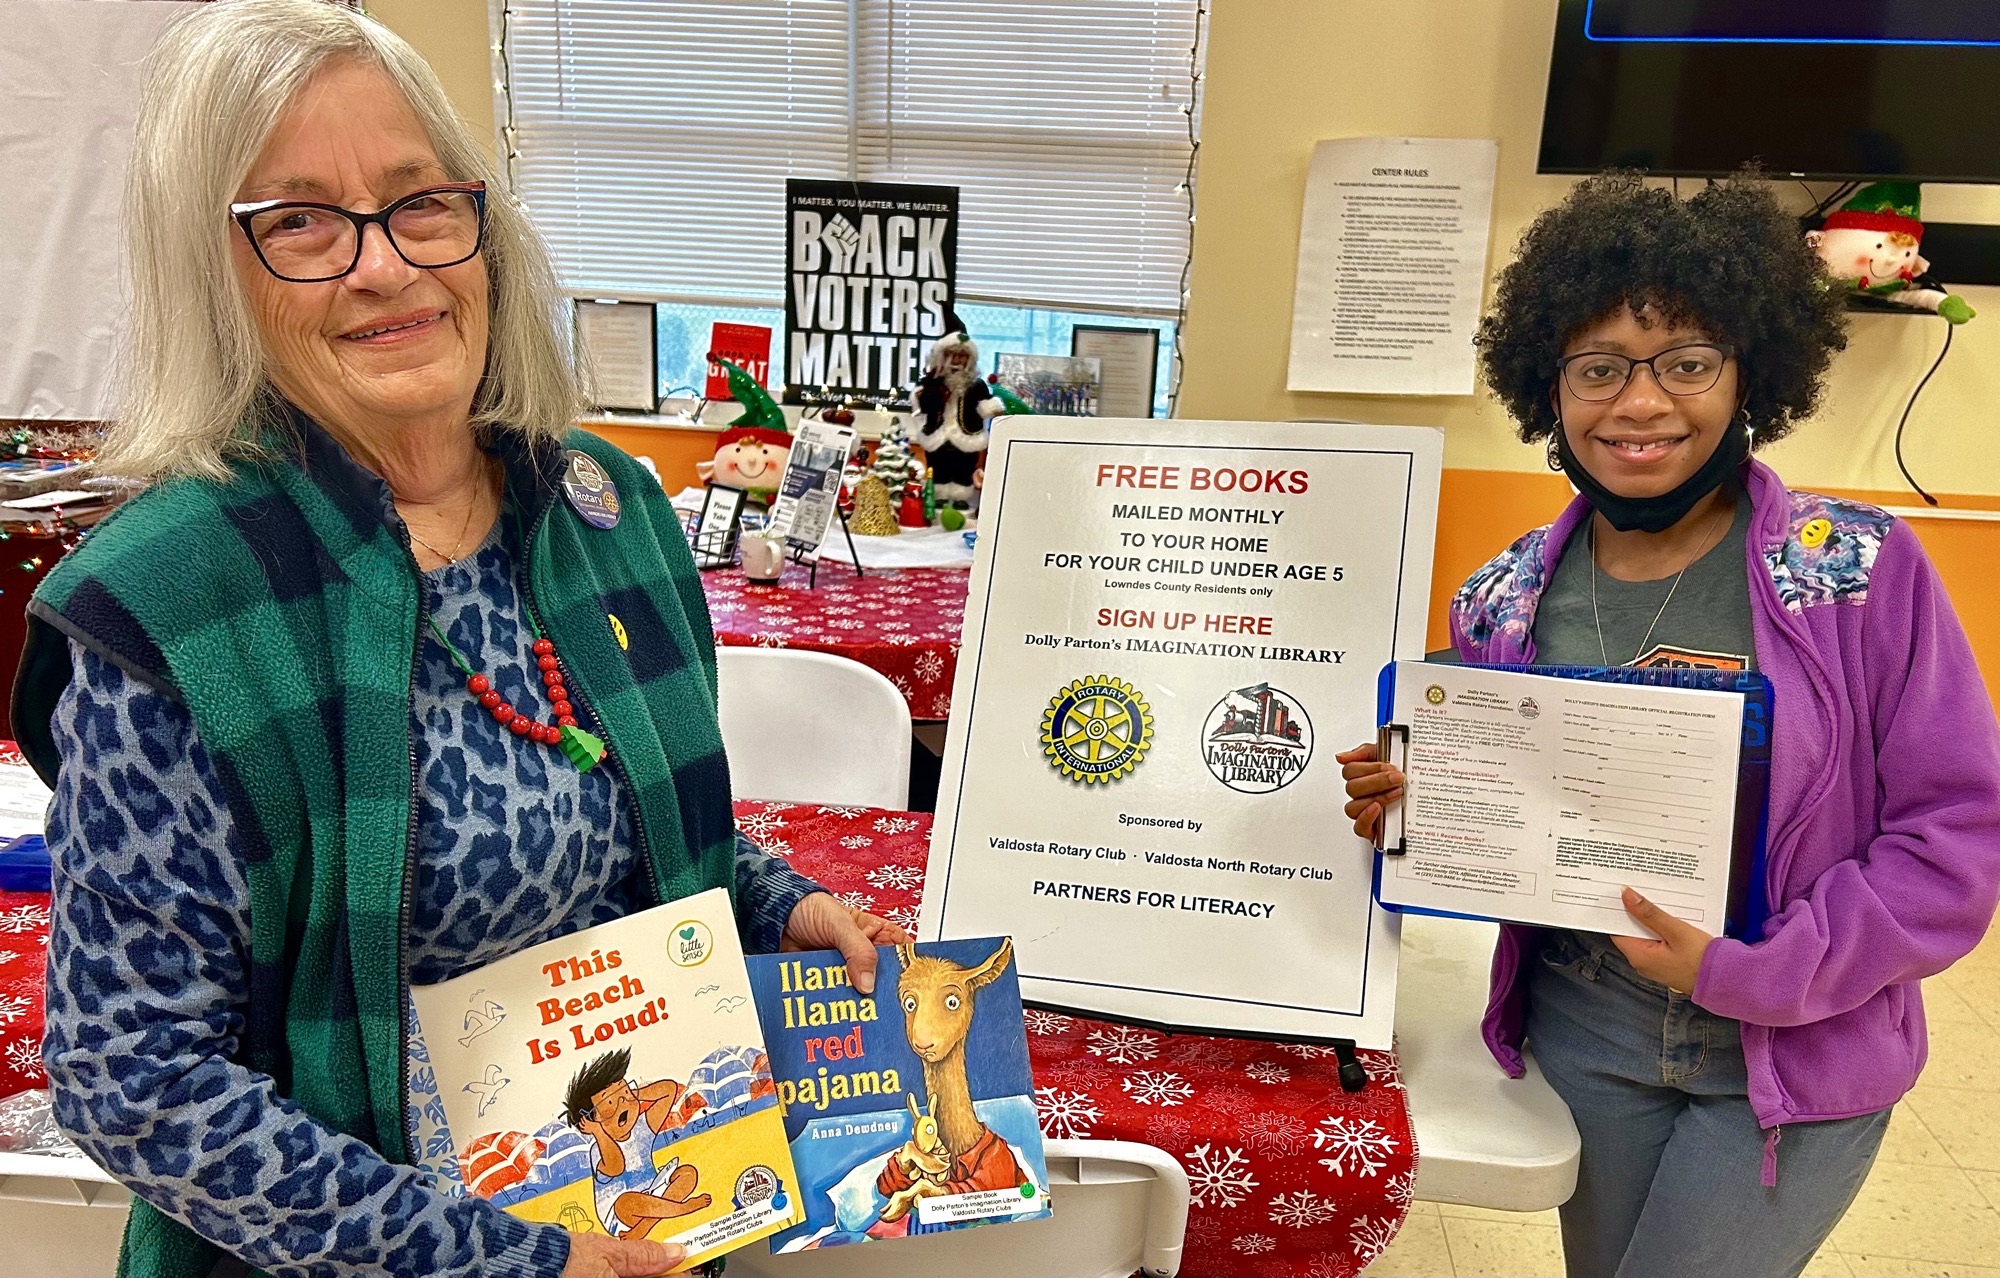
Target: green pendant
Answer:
[[582, 749]]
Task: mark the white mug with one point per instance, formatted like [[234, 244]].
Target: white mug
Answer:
[[763, 558]]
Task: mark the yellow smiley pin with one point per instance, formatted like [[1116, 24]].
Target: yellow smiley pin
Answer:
[[618, 629], [1815, 533]]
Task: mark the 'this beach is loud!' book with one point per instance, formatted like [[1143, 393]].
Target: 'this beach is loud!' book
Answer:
[[911, 1111], [615, 1081]]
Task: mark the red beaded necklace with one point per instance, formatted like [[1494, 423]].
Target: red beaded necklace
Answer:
[[578, 746]]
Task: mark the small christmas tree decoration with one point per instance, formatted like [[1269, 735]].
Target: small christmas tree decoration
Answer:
[[873, 516], [894, 464]]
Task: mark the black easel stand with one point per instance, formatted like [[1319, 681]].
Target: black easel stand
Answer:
[[1352, 1077], [798, 554]]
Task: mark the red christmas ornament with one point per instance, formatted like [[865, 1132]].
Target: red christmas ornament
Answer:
[[911, 513]]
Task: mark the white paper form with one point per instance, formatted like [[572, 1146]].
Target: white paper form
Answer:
[[1537, 799]]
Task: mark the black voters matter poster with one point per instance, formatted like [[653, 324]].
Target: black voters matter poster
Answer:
[[869, 281]]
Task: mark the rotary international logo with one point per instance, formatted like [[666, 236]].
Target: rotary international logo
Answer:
[[1434, 694], [1097, 729]]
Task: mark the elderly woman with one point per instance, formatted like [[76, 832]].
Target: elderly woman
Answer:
[[1731, 1092], [387, 673]]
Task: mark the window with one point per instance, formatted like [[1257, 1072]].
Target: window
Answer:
[[653, 140]]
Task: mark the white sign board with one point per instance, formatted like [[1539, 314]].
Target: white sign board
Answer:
[[1172, 628], [809, 494], [1392, 265]]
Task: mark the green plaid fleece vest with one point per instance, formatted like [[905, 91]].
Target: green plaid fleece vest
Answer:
[[283, 609]]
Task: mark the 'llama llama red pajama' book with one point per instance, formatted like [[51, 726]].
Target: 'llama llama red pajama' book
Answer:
[[911, 1111]]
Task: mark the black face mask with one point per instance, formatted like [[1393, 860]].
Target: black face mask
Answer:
[[1657, 514]]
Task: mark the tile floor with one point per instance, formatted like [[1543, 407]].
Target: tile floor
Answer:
[[1930, 1207]]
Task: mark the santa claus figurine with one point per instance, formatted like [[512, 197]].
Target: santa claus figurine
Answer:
[[1870, 245], [953, 406]]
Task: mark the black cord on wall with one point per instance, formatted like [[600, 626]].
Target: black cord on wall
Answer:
[[1905, 419]]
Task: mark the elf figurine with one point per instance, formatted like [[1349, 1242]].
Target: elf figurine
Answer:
[[953, 406], [1870, 244], [751, 454]]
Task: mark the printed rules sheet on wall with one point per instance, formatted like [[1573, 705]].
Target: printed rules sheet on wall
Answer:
[[1392, 265], [1172, 629]]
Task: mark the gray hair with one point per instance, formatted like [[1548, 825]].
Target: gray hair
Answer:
[[191, 365]]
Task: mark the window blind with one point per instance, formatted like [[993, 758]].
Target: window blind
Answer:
[[655, 136]]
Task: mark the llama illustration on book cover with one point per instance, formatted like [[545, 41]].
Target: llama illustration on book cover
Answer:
[[615, 1081], [911, 1111]]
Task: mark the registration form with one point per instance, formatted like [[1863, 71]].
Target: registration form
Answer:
[[1537, 799]]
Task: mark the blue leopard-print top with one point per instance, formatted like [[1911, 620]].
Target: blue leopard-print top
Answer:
[[149, 954]]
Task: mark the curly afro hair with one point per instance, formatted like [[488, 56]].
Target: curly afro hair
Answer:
[[1729, 262]]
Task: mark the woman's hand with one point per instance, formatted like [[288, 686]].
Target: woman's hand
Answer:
[[1675, 959], [819, 922], [1371, 787], [595, 1256]]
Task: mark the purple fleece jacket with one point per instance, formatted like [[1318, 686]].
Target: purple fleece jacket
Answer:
[[1884, 830]]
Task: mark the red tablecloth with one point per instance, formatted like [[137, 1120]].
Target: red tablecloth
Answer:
[[904, 622], [1290, 1174], [24, 947]]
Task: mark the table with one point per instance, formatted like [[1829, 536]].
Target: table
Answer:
[[902, 622], [1289, 1174], [24, 942]]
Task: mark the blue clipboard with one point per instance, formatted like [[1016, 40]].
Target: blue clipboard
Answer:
[[1748, 906]]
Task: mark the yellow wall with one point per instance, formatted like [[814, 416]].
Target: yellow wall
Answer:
[[451, 34], [1283, 74]]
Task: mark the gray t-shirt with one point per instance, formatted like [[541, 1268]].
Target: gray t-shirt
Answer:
[[1706, 624]]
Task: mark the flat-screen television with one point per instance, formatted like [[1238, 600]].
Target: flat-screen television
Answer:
[[1830, 89]]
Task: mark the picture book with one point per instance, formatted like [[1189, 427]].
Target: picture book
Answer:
[[615, 1081], [911, 1111]]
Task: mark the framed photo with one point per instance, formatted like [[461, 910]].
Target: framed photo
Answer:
[[713, 538], [618, 350], [1128, 360], [1053, 385]]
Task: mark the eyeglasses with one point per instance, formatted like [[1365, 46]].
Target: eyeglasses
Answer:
[[1685, 370], [308, 243]]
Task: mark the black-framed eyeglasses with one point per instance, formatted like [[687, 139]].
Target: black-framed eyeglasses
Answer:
[[308, 243], [1683, 370]]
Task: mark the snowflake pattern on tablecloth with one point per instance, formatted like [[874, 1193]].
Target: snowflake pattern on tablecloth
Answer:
[[776, 847], [768, 639], [24, 919], [8, 956], [1308, 1051], [14, 1007], [1255, 1244], [1401, 1191], [854, 842], [1123, 1045], [24, 1058], [1360, 1146], [1302, 1209], [1157, 1087], [1274, 1133], [1168, 1130], [1065, 1115], [760, 825], [1371, 1237], [1041, 1022], [1265, 1072], [905, 918], [1210, 1053], [847, 814], [856, 900], [1217, 1177], [929, 666], [896, 878], [895, 824]]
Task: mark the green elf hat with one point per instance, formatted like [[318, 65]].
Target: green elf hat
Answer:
[[1881, 206]]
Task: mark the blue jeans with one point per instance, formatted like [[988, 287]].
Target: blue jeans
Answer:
[[1672, 1154]]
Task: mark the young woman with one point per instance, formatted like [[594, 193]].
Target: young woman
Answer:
[[1731, 1094]]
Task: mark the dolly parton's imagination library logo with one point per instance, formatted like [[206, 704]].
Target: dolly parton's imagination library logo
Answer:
[[1257, 739], [1097, 729]]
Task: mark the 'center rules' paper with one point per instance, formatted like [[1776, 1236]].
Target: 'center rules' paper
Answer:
[[615, 1081]]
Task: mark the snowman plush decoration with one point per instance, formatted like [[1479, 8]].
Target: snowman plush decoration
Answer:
[[1870, 245], [953, 406]]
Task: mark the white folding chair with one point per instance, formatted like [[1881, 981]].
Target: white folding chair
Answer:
[[1119, 1208], [808, 727]]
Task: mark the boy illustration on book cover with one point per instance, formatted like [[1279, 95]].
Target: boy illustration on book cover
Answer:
[[611, 1081], [904, 1124]]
